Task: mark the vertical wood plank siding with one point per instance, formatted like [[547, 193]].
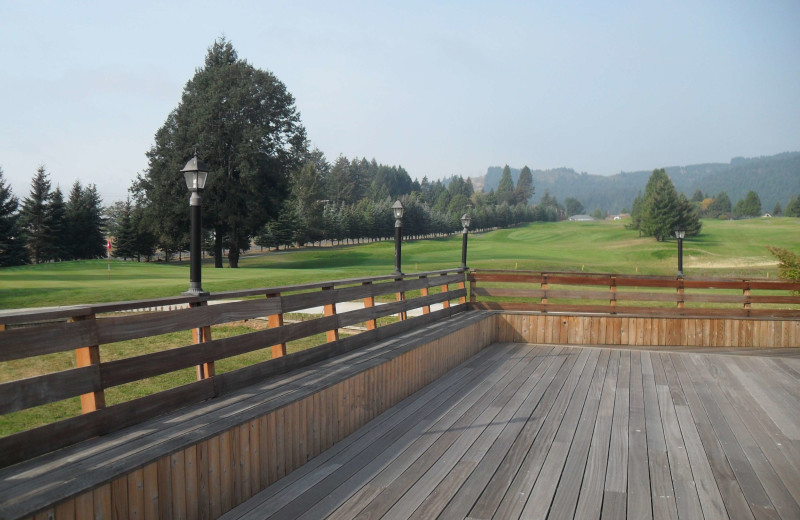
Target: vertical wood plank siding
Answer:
[[647, 331]]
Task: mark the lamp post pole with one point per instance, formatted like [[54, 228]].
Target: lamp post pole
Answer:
[[397, 209], [680, 234], [465, 220], [195, 173]]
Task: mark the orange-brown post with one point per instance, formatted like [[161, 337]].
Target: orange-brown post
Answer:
[[680, 293], [544, 288], [330, 310], [274, 321], [401, 296], [445, 288], [84, 357], [463, 299], [746, 293], [426, 309], [201, 335], [369, 301]]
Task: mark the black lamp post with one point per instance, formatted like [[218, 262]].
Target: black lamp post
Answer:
[[680, 233], [196, 174], [465, 220], [397, 209]]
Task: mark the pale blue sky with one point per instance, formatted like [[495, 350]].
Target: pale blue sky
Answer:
[[440, 88]]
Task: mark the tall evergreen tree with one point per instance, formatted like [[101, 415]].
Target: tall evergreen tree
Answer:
[[505, 189], [793, 207], [59, 247], [245, 126], [125, 237], [750, 206], [662, 210], [35, 216], [12, 241], [85, 222], [524, 190]]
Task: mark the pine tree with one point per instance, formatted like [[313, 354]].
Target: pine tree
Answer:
[[125, 239], [85, 222], [35, 218], [12, 241], [505, 189], [524, 190], [662, 211], [777, 210], [58, 248], [793, 208]]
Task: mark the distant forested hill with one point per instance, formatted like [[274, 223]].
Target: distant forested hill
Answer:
[[774, 178]]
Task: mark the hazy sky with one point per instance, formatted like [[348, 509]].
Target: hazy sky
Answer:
[[440, 88]]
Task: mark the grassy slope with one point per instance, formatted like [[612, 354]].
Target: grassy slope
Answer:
[[723, 249]]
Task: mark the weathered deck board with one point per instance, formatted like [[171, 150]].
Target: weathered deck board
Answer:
[[527, 431]]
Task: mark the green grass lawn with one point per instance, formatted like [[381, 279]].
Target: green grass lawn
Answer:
[[725, 248]]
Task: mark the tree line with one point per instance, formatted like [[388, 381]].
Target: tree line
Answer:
[[264, 185], [45, 227]]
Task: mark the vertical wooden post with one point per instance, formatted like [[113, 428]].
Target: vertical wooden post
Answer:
[[680, 293], [472, 284], [274, 321], [201, 335], [401, 296], [544, 288], [84, 357], [613, 289], [426, 309], [462, 285], [330, 310], [445, 288], [369, 301], [746, 293]]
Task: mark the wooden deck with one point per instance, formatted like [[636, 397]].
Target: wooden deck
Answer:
[[531, 431]]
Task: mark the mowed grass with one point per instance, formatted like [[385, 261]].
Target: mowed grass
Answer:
[[725, 248]]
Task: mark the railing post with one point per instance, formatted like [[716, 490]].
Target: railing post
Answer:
[[445, 288], [680, 292], [330, 310], [613, 289], [472, 284], [84, 357], [463, 285], [544, 288], [401, 296], [746, 294], [201, 335], [275, 321], [369, 301], [426, 309]]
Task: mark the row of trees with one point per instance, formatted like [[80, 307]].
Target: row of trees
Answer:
[[45, 227], [750, 206]]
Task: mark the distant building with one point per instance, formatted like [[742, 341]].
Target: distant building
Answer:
[[620, 216], [581, 218]]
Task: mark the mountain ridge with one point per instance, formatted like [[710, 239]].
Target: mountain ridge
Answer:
[[775, 178]]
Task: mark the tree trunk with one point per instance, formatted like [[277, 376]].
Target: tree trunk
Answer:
[[233, 256], [218, 250]]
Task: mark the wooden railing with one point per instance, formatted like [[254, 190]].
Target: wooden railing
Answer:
[[633, 294], [85, 328]]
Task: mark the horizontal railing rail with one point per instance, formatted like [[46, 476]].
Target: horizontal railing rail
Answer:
[[84, 329], [633, 294]]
